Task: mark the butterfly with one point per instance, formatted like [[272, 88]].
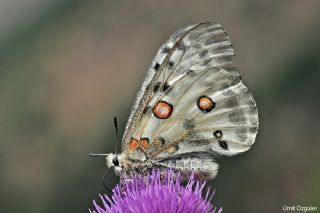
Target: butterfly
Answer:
[[192, 107]]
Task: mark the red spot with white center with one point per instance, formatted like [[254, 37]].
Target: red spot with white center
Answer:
[[162, 110]]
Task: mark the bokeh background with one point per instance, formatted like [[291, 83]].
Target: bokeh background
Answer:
[[67, 67]]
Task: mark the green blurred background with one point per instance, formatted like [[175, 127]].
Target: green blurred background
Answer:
[[67, 67]]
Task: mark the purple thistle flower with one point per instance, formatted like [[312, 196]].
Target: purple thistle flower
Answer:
[[156, 193]]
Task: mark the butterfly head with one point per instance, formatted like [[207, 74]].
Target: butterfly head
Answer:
[[116, 161], [113, 161]]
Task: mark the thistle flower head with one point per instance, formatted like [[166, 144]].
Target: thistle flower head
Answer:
[[156, 193]]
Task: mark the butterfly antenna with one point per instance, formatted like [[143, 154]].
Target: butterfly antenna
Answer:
[[96, 155], [103, 178], [116, 128]]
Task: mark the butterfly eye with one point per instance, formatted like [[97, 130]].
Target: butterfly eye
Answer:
[[115, 161], [205, 104], [162, 110]]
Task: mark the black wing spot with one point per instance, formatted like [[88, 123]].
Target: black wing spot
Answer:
[[165, 87], [146, 109], [156, 87], [218, 133], [162, 140], [171, 64], [156, 66], [176, 146], [223, 145], [166, 50], [190, 72]]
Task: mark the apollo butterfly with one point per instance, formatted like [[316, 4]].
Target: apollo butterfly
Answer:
[[191, 108]]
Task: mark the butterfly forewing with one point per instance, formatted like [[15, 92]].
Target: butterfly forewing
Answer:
[[192, 104]]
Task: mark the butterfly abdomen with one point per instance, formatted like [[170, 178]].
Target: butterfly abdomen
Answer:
[[205, 168]]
